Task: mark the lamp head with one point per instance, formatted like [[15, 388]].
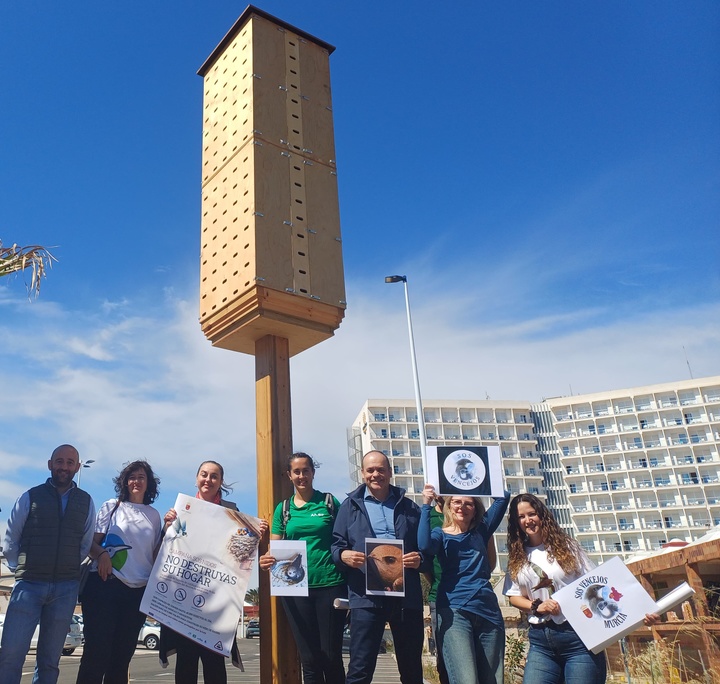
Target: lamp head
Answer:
[[396, 279]]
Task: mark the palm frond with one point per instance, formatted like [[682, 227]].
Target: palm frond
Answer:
[[15, 259]]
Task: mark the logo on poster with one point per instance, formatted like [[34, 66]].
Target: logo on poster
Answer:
[[601, 600], [464, 469]]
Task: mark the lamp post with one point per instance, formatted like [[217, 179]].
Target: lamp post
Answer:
[[84, 464], [418, 401]]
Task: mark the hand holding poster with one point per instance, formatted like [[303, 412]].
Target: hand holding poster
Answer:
[[605, 604], [465, 471], [289, 574], [198, 583]]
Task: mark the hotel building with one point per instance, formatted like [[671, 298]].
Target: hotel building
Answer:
[[623, 470]]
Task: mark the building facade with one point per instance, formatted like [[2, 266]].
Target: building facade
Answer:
[[623, 470]]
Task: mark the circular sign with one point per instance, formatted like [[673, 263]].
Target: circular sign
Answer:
[[464, 470]]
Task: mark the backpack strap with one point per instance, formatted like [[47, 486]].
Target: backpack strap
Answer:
[[285, 516], [330, 504]]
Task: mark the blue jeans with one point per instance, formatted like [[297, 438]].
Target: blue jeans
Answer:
[[473, 648], [366, 629], [557, 655], [49, 603]]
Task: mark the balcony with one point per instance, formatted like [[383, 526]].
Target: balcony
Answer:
[[709, 479]]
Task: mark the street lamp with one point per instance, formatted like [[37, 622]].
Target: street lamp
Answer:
[[84, 464], [418, 401]]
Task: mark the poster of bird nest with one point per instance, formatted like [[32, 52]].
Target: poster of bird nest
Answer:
[[465, 471], [385, 574], [288, 575], [198, 583]]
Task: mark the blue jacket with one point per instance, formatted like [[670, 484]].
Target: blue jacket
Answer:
[[352, 527]]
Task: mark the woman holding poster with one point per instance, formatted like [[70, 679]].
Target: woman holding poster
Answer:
[[471, 631], [542, 559], [316, 625], [210, 481], [127, 535]]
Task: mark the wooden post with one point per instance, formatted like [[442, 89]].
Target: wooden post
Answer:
[[279, 661]]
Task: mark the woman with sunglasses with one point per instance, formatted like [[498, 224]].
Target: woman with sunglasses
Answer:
[[471, 632]]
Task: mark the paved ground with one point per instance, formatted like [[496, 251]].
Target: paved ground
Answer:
[[145, 667]]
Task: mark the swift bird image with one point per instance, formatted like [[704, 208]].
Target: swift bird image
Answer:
[[385, 563], [288, 572], [243, 544], [545, 582], [177, 529], [112, 549]]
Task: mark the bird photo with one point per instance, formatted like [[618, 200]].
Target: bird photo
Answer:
[[289, 574], [243, 543], [385, 571]]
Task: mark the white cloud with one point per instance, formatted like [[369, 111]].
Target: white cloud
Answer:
[[154, 388]]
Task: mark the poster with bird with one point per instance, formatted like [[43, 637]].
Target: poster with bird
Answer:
[[385, 573], [198, 583], [289, 575], [605, 604], [465, 471]]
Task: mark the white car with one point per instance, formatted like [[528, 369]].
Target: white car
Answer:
[[72, 640], [150, 635]]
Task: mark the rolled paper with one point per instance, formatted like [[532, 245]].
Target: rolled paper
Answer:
[[341, 604], [679, 594]]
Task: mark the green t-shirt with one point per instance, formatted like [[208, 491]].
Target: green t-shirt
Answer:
[[313, 524]]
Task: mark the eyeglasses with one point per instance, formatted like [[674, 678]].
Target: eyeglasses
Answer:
[[462, 504]]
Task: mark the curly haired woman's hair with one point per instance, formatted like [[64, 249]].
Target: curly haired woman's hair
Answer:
[[121, 482], [449, 518], [560, 546]]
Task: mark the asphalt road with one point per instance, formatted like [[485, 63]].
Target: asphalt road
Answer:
[[145, 667]]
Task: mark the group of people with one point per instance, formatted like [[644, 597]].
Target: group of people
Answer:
[[54, 526], [52, 529]]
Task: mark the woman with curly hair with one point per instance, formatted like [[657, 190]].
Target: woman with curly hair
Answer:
[[127, 536], [542, 559]]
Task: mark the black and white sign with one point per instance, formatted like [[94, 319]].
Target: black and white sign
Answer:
[[465, 471]]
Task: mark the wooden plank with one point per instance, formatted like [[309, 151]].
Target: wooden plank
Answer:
[[278, 661]]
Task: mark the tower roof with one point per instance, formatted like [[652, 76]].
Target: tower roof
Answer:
[[249, 11]]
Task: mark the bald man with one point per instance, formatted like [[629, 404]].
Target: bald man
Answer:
[[381, 510], [48, 534]]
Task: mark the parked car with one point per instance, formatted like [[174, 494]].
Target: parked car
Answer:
[[78, 620], [150, 635], [346, 642], [73, 639], [252, 629]]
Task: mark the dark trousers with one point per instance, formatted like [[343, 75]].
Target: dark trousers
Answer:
[[318, 631], [188, 654], [112, 621], [366, 630]]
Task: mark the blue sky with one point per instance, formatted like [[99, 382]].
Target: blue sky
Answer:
[[546, 174]]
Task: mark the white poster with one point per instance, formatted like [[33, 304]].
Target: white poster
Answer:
[[289, 575], [465, 471], [198, 583], [605, 604]]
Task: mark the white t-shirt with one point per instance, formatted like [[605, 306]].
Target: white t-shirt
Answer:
[[548, 574], [132, 538]]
